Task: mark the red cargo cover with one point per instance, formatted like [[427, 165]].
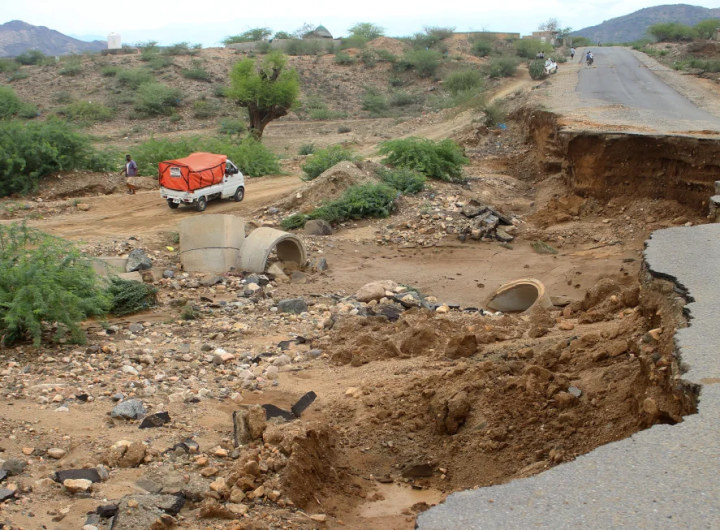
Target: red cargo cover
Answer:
[[192, 172]]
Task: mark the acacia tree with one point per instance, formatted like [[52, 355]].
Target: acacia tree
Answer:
[[367, 31], [268, 89]]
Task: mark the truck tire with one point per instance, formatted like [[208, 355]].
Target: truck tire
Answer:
[[173, 205], [239, 194], [201, 204]]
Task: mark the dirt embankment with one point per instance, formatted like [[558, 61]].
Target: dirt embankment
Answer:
[[606, 165]]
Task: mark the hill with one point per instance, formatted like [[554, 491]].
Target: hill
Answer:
[[634, 26], [17, 36]]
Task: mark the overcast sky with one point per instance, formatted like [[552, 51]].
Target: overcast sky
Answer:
[[209, 21]]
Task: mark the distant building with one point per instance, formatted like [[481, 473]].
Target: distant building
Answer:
[[548, 37], [320, 32], [467, 35]]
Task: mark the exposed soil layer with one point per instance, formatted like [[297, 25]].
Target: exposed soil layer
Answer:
[[604, 165]]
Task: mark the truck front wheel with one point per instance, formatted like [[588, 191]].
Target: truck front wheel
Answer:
[[201, 204], [239, 194], [172, 204]]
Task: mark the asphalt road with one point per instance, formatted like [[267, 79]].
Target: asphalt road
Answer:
[[617, 77]]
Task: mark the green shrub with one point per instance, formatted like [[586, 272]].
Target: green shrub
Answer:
[[369, 58], [45, 284], [251, 35], [32, 150], [129, 296], [560, 58], [233, 126], [219, 91], [196, 72], [134, 78], [706, 65], [706, 28], [72, 67], [189, 312], [396, 82], [62, 97], [406, 181], [367, 31], [374, 102], [109, 71], [203, 109], [326, 114], [462, 80], [156, 99], [18, 76], [304, 47], [30, 57], [386, 55], [482, 48], [528, 48], [11, 105], [353, 42], [441, 160], [251, 156], [182, 48], [158, 62], [263, 47], [401, 98], [7, 65], [87, 112], [307, 149], [424, 62], [502, 67], [537, 69], [344, 129], [671, 32], [579, 42], [344, 59], [324, 159], [495, 114], [358, 202]]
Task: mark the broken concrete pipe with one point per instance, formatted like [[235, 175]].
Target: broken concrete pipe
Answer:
[[519, 296], [261, 242]]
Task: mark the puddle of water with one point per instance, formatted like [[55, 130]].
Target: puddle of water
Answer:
[[397, 498]]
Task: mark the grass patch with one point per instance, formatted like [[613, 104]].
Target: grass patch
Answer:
[[87, 112]]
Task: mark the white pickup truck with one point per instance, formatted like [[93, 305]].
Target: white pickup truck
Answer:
[[185, 182]]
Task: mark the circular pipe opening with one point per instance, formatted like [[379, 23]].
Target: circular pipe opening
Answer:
[[519, 296]]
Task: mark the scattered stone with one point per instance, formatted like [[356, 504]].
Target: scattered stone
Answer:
[[292, 305], [131, 409], [318, 227], [220, 356], [6, 494], [77, 485], [27, 451], [107, 510], [138, 261], [212, 279], [374, 290], [320, 265], [461, 346], [211, 509], [155, 420], [14, 466], [575, 391]]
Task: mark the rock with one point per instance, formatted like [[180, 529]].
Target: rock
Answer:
[[292, 305], [320, 265], [565, 400], [131, 409], [90, 474], [168, 274], [282, 360], [303, 403], [107, 510], [14, 466], [319, 517], [318, 227], [211, 509], [211, 280], [256, 421], [272, 373], [458, 409], [354, 392], [220, 356], [129, 370], [136, 328], [133, 456], [138, 261], [502, 236], [277, 271], [418, 471], [575, 391], [566, 326], [154, 512], [83, 206], [3, 475], [473, 209], [408, 300], [238, 509], [252, 468], [236, 495], [461, 346], [79, 485], [273, 435], [249, 424], [650, 406], [155, 420], [298, 277], [655, 333], [374, 290], [6, 494]]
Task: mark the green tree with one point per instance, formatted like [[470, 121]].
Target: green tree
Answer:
[[282, 35], [251, 35], [671, 32], [706, 28], [267, 89], [367, 31]]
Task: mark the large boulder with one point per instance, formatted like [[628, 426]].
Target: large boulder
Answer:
[[374, 290], [132, 409], [138, 261], [292, 305], [318, 227]]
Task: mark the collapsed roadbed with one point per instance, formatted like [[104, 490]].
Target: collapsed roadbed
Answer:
[[657, 478]]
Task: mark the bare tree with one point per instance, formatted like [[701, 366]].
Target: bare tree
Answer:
[[551, 24]]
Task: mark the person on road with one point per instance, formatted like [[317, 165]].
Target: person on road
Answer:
[[572, 53], [130, 170]]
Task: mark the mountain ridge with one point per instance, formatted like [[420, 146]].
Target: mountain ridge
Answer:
[[634, 26], [17, 37]]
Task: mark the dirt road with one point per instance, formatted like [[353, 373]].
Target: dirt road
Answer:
[[145, 213]]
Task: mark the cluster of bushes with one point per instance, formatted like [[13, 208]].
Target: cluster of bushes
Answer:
[[30, 151], [317, 109], [151, 98], [441, 160], [706, 65], [47, 285], [308, 47], [196, 71], [204, 109], [251, 156], [87, 112], [11, 106], [424, 62], [537, 69], [675, 32], [324, 159]]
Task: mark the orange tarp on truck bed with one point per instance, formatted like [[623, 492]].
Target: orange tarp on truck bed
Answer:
[[193, 172]]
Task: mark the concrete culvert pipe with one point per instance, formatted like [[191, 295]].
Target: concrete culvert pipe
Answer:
[[260, 243], [519, 296]]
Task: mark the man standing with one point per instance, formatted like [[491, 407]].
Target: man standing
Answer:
[[130, 170], [572, 53]]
